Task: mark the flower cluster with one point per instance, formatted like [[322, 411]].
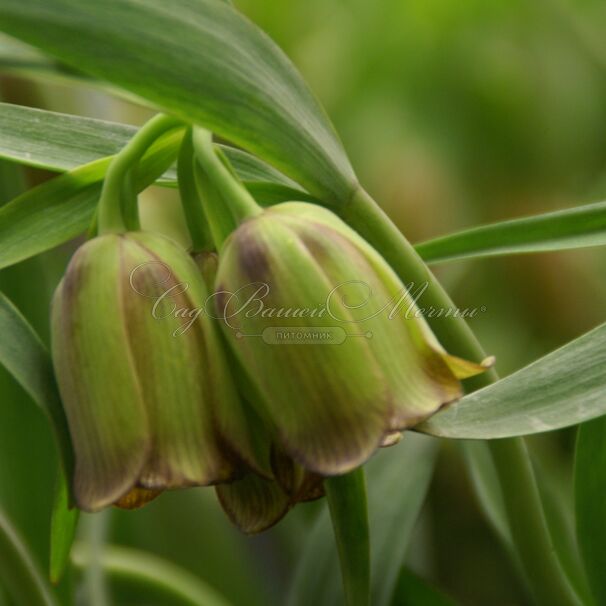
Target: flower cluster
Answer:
[[218, 405]]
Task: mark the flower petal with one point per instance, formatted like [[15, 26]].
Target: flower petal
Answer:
[[172, 354], [95, 371], [253, 503]]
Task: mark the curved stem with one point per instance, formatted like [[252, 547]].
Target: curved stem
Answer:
[[197, 224], [528, 524], [239, 200], [130, 201], [349, 514], [524, 508], [111, 218], [220, 219]]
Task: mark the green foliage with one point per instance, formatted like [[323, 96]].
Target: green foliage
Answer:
[[18, 573], [564, 388], [272, 114], [571, 228], [398, 479], [590, 496], [511, 95]]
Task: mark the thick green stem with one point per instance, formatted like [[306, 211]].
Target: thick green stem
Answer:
[[349, 514], [528, 524], [218, 215], [111, 218], [524, 508], [197, 223], [239, 200]]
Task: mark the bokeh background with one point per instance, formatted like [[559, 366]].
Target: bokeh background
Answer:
[[455, 113]]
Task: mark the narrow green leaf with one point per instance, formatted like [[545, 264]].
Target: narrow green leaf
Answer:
[[412, 590], [63, 207], [590, 499], [398, 480], [579, 227], [57, 142], [483, 476], [18, 572], [63, 529], [558, 503], [349, 514], [27, 360], [220, 71], [62, 142], [561, 389], [12, 181], [152, 573]]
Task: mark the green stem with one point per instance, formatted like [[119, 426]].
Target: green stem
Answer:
[[190, 200], [111, 218], [239, 200], [218, 215], [96, 587], [524, 508], [130, 201], [528, 525], [349, 514]]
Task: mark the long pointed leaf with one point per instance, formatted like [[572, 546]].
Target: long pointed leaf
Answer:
[[564, 388], [63, 207], [571, 228], [62, 142], [202, 61], [27, 360]]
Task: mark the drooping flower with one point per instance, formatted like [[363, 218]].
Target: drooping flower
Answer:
[[142, 376], [328, 338]]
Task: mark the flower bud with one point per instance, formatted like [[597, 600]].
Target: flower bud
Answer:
[[329, 338], [140, 371]]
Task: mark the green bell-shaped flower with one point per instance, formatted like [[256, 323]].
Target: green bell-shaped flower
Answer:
[[270, 483], [329, 338], [141, 373]]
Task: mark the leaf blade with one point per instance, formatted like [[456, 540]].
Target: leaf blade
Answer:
[[63, 207], [205, 75], [580, 227], [62, 142], [564, 388]]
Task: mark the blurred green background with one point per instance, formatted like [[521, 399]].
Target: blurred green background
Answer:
[[455, 113]]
